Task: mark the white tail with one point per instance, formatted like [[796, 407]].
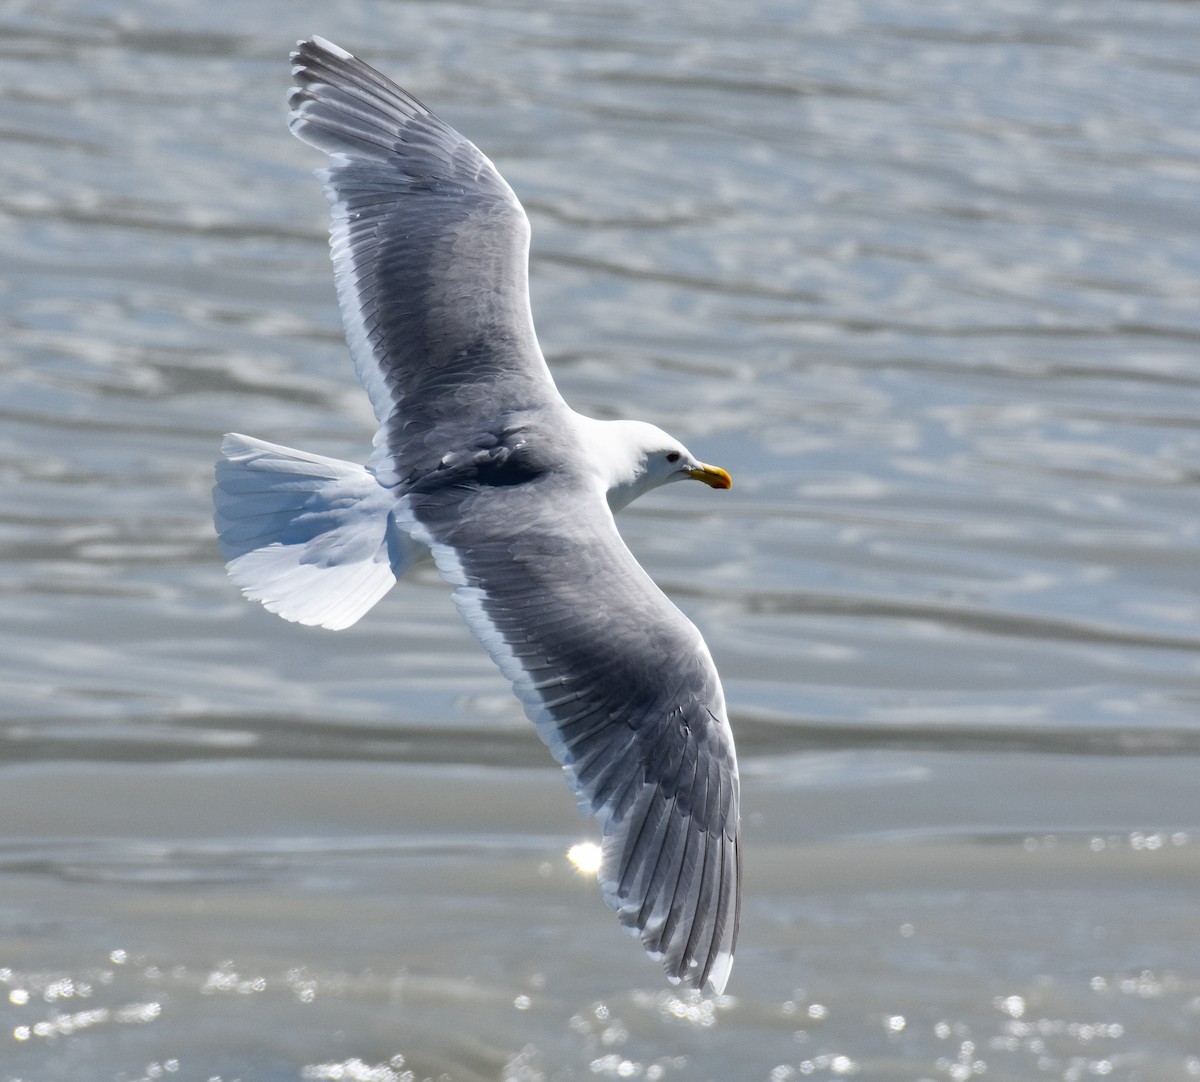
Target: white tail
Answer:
[[312, 538]]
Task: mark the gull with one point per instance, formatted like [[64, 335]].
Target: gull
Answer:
[[480, 463]]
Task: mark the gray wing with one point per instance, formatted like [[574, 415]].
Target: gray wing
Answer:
[[430, 249], [621, 688]]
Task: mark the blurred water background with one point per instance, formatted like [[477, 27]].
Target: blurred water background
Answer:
[[924, 276]]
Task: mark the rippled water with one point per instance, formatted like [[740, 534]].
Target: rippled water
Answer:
[[923, 277]]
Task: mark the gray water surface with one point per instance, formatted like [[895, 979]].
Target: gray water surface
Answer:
[[923, 276]]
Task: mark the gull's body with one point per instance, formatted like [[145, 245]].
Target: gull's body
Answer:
[[479, 462]]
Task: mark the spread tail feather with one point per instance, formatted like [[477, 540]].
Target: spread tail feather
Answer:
[[312, 538]]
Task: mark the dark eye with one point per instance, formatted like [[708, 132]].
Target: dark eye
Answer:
[[674, 456]]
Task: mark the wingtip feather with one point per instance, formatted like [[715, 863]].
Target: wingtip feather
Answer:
[[327, 45]]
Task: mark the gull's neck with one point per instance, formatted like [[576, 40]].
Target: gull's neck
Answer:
[[616, 453]]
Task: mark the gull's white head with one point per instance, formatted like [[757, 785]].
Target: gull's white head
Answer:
[[633, 457]]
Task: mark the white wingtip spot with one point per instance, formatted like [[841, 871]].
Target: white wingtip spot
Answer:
[[329, 47], [718, 976]]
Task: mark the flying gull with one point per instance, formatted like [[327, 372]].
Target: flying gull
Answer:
[[480, 463]]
